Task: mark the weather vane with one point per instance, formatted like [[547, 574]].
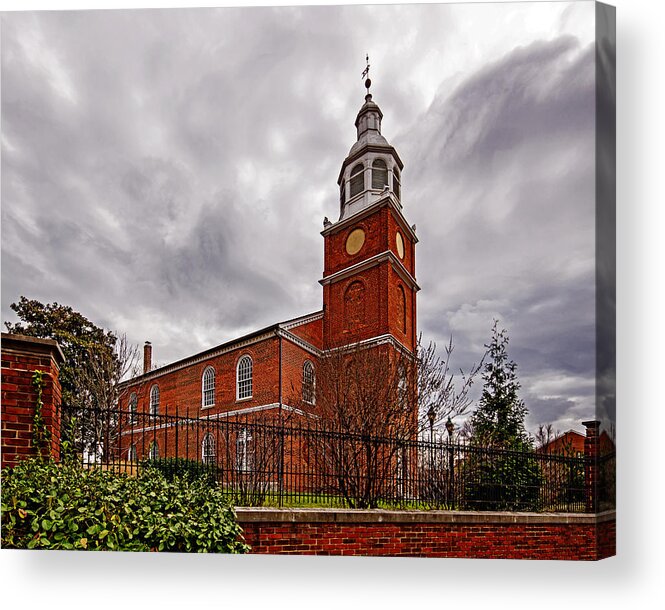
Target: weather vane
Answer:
[[368, 82]]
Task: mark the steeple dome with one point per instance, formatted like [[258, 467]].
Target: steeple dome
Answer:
[[369, 117], [372, 169]]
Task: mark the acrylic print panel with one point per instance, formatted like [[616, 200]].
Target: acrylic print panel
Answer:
[[340, 278]]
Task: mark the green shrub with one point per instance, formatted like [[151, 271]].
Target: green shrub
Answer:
[[503, 480], [45, 505], [173, 468]]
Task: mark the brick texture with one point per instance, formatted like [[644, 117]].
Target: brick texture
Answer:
[[379, 308], [489, 539], [21, 357]]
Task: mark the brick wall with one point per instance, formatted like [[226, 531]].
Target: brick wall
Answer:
[[181, 388], [312, 332], [382, 310], [180, 392], [21, 356], [429, 534]]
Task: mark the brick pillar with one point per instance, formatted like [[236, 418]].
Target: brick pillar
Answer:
[[591, 470], [21, 357]]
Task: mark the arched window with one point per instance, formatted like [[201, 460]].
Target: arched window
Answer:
[[132, 408], [342, 193], [208, 453], [244, 378], [154, 400], [396, 183], [131, 454], [357, 180], [354, 305], [308, 383], [153, 452], [379, 174], [402, 387], [244, 456], [401, 308], [208, 387]]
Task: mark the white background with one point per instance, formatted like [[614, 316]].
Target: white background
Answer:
[[633, 579]]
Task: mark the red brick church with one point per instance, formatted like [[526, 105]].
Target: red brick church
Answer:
[[369, 299]]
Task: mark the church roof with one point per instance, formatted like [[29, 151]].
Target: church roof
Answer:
[[223, 347], [369, 137]]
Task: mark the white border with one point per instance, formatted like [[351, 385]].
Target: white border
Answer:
[[634, 579]]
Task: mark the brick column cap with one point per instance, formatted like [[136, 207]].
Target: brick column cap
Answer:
[[32, 344]]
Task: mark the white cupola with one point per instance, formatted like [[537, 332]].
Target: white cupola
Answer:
[[372, 169]]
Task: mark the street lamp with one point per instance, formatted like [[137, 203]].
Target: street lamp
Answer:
[[451, 462], [450, 426], [431, 416]]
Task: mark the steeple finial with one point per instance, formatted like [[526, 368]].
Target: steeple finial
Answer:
[[368, 82]]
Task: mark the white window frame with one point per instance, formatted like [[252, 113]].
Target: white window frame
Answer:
[[209, 370], [133, 407], [309, 383], [208, 449], [153, 451], [397, 183], [402, 387], [154, 400], [244, 457], [383, 168], [132, 455], [247, 379], [361, 175]]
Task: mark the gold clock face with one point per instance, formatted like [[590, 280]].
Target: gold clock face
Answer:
[[355, 241], [400, 245]]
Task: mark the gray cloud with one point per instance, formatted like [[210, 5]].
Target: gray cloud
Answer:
[[166, 172]]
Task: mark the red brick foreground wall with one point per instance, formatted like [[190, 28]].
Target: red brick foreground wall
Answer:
[[21, 357], [429, 534]]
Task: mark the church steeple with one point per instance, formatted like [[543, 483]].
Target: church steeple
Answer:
[[369, 266], [369, 117], [372, 169]]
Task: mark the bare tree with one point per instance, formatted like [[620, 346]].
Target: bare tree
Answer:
[[374, 404], [545, 435], [96, 408]]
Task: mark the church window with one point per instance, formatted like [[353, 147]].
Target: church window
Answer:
[[208, 387], [244, 378], [244, 456], [208, 453], [308, 383], [401, 308], [131, 454], [153, 452], [379, 174], [357, 180], [396, 183], [154, 400], [402, 386], [133, 403], [354, 305]]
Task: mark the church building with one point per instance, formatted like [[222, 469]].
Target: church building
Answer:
[[369, 299]]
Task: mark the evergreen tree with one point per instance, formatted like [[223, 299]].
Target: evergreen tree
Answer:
[[82, 343], [95, 362], [505, 475], [499, 419]]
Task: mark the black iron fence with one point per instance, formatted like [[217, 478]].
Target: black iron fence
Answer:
[[265, 459]]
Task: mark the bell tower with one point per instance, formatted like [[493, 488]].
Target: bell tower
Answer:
[[369, 286]]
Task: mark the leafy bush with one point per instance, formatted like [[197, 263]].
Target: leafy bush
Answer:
[[179, 467], [45, 505]]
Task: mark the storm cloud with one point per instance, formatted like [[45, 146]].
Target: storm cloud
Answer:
[[166, 172]]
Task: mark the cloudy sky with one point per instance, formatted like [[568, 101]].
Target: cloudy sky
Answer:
[[166, 172]]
